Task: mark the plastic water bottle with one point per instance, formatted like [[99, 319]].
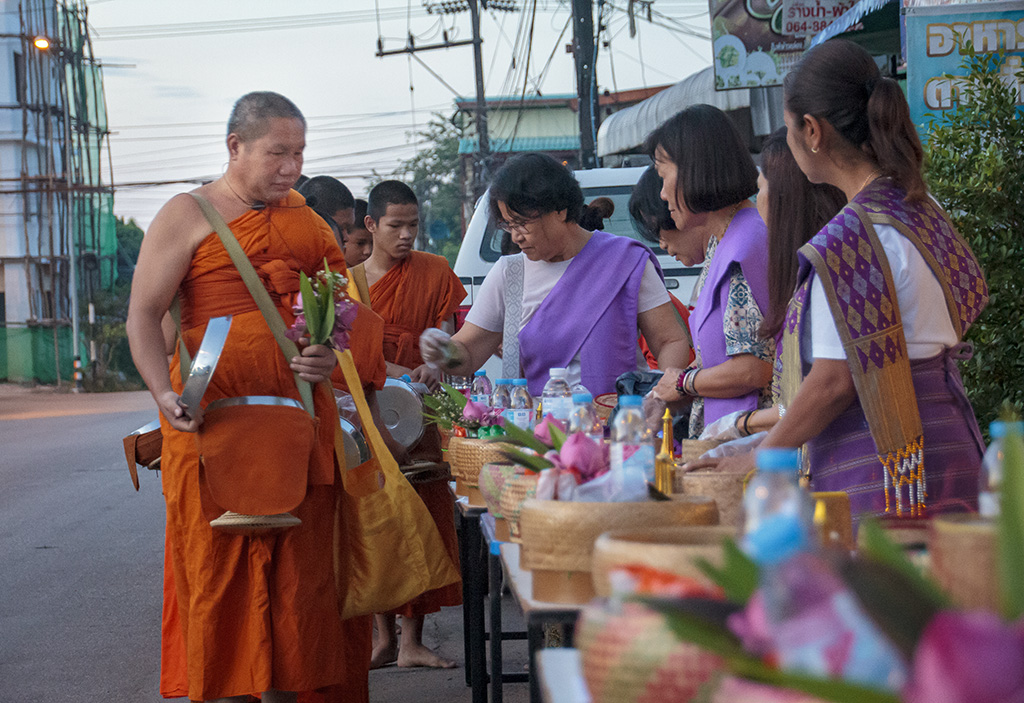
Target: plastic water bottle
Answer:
[[775, 488], [557, 396], [501, 395], [520, 411], [584, 419], [991, 478], [632, 449], [481, 392], [812, 615], [578, 387]]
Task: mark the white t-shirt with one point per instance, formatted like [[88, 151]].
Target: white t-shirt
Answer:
[[926, 323], [539, 278]]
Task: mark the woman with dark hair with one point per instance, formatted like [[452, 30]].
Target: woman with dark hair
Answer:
[[884, 294], [708, 177], [571, 298], [794, 210], [653, 221]]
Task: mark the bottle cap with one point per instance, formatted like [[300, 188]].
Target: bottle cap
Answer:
[[776, 539], [518, 381], [630, 401], [999, 428], [501, 381], [582, 398], [480, 372], [405, 377], [558, 372], [778, 460]]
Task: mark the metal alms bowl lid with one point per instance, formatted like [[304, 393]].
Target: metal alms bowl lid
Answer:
[[356, 449], [401, 409]]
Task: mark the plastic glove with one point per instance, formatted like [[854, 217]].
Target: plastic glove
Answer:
[[735, 447], [436, 348], [654, 410], [724, 428]]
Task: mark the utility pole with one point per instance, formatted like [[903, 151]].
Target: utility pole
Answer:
[[586, 79], [447, 7], [483, 143]]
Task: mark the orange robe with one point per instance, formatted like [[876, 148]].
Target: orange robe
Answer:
[[246, 614], [421, 292]]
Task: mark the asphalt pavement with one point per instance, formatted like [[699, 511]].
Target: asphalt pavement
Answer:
[[81, 557]]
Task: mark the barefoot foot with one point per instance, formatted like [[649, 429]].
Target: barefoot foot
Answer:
[[383, 654], [418, 655]]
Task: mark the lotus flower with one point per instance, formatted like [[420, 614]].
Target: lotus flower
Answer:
[[543, 432], [584, 457], [474, 411], [298, 328], [968, 658]]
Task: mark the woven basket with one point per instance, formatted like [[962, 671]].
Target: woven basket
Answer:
[[671, 549], [634, 657], [558, 537], [604, 404], [514, 493], [964, 556], [467, 454], [691, 449], [725, 487], [733, 690], [491, 482]]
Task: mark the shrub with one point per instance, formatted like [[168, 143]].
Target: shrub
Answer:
[[975, 169]]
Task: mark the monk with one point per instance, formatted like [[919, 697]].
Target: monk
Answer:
[[359, 242], [412, 291], [332, 199], [254, 614]]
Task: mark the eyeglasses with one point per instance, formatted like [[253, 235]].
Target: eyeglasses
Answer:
[[519, 227]]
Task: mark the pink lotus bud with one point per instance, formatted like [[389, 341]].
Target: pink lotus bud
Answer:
[[543, 432]]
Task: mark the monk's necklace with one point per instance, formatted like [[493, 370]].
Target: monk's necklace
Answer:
[[235, 193]]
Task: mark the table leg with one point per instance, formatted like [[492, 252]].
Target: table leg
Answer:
[[495, 579], [463, 529], [535, 641], [474, 572]]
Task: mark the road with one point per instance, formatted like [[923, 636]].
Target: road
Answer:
[[81, 558], [80, 551]]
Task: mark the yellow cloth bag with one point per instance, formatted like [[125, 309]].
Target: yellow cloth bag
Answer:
[[387, 549]]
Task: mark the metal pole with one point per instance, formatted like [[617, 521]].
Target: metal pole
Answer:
[[483, 142], [69, 227], [583, 43]]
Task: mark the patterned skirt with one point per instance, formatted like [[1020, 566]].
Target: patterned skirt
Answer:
[[843, 457]]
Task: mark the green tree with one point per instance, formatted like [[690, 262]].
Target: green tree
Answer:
[[114, 369], [975, 168], [435, 175]]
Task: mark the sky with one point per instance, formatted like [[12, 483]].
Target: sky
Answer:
[[174, 69]]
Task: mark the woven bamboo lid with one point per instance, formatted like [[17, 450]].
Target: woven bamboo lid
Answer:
[[559, 536], [671, 549]]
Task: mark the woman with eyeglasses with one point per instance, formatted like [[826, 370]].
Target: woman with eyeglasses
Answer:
[[572, 298], [708, 177]]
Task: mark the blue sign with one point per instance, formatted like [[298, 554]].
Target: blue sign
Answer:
[[934, 36]]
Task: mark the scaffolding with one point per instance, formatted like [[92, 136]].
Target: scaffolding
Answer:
[[60, 196]]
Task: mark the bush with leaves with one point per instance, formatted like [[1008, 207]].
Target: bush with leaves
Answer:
[[975, 169]]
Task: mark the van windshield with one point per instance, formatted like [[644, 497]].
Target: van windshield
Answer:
[[619, 223]]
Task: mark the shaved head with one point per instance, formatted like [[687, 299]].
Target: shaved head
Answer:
[[251, 115]]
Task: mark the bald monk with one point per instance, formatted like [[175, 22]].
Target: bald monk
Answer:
[[412, 291], [256, 614]]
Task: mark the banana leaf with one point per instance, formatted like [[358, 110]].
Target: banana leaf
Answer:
[[523, 438], [557, 436], [739, 575], [309, 306], [1011, 526], [531, 462]]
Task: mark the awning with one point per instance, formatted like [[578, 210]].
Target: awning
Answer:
[[852, 17], [627, 129]]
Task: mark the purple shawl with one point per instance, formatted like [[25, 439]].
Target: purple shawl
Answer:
[[745, 242], [592, 311]]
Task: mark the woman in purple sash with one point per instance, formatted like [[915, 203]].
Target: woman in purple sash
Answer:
[[572, 298], [708, 178], [884, 295]]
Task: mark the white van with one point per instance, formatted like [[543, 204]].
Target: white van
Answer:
[[481, 246]]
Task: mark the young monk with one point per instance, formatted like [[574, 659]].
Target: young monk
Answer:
[[412, 291], [329, 196], [359, 242]]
